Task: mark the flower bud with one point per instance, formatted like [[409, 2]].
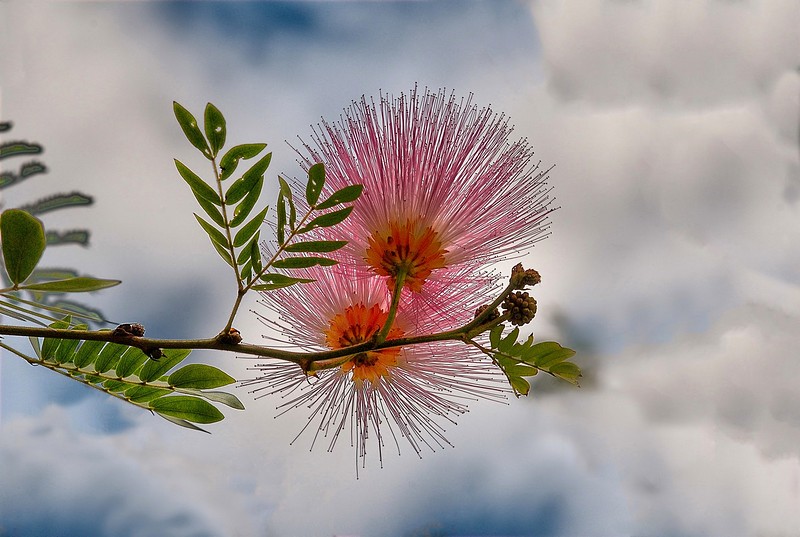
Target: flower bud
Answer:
[[491, 317], [521, 308], [522, 278]]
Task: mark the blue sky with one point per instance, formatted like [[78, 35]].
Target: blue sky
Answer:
[[672, 266]]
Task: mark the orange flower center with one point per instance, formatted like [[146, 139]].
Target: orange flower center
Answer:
[[406, 249], [358, 324]]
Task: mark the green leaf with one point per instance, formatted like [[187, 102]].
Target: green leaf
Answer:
[[116, 385], [241, 212], [24, 314], [153, 369], [215, 128], [281, 208], [520, 370], [248, 181], [189, 125], [199, 187], [244, 254], [494, 336], [218, 397], [109, 356], [547, 354], [50, 345], [246, 271], [567, 371], [199, 376], [130, 362], [73, 236], [80, 284], [223, 253], [303, 262], [143, 394], [61, 307], [316, 180], [66, 350], [211, 210], [507, 342], [287, 194], [230, 160], [328, 219], [57, 201], [23, 243], [344, 195], [187, 407], [316, 246], [520, 385], [183, 423], [255, 255], [249, 229], [278, 281], [87, 353], [214, 234], [36, 346]]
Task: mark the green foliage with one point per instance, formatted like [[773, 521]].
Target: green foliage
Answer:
[[23, 243], [526, 359], [175, 393], [58, 201], [199, 187], [214, 124], [235, 233], [316, 246], [80, 284], [230, 160], [343, 195], [316, 180], [189, 126], [328, 219]]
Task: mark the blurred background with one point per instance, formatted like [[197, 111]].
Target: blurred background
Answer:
[[672, 267]]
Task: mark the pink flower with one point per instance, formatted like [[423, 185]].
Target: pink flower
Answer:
[[444, 188], [373, 397]]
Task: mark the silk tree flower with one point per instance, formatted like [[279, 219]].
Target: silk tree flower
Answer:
[[376, 397], [446, 192]]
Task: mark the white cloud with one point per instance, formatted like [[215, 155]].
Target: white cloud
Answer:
[[674, 131]]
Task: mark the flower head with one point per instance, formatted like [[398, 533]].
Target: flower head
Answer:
[[408, 391], [444, 187]]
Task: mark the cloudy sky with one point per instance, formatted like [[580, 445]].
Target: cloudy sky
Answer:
[[672, 266]]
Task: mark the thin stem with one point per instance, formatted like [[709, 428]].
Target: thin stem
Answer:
[[464, 333], [398, 290], [242, 290]]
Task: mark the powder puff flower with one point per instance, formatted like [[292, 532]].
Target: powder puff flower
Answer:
[[375, 397], [444, 188]]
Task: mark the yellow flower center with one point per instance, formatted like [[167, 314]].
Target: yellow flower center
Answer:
[[357, 324], [408, 249]]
